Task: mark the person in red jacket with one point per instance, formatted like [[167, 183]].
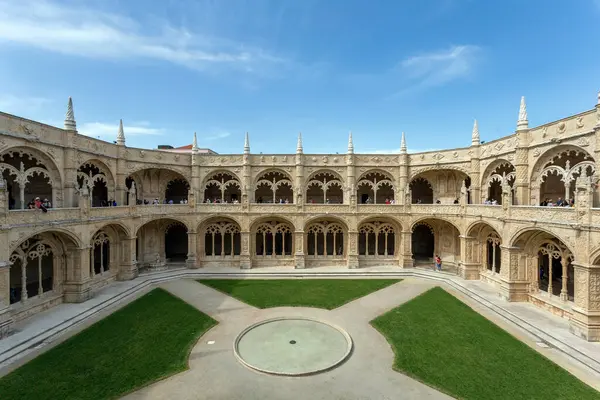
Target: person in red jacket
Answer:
[[38, 204], [438, 263]]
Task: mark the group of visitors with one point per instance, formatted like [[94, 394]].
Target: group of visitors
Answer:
[[108, 203], [224, 201], [281, 201], [491, 202], [39, 204], [559, 203]]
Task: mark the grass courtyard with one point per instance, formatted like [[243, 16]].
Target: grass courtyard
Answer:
[[442, 342], [319, 293], [144, 341]]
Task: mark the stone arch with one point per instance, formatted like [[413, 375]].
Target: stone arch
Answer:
[[553, 174], [152, 183], [39, 264], [162, 240], [325, 239], [421, 191], [443, 238], [99, 180], [222, 186], [30, 173], [273, 185], [375, 186], [378, 239], [438, 167], [499, 173], [484, 247], [117, 225], [107, 252], [272, 238], [546, 261], [324, 186], [446, 182], [220, 241]]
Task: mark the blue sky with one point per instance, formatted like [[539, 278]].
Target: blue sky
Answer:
[[275, 68]]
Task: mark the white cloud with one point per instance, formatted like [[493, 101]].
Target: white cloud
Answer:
[[102, 130], [21, 104], [77, 30], [217, 136], [440, 67]]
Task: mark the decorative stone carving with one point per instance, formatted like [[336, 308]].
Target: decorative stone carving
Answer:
[[561, 127], [579, 123]]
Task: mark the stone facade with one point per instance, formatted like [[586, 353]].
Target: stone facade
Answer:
[[302, 211]]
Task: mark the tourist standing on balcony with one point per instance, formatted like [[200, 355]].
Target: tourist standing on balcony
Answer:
[[438, 263]]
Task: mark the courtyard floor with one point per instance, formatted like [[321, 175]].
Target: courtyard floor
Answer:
[[215, 373]]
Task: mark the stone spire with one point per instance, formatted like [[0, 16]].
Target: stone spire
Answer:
[[598, 102], [195, 144], [475, 138], [121, 135], [522, 123], [70, 124], [350, 144], [246, 144], [299, 148], [403, 144]]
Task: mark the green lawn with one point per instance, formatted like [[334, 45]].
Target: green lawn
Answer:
[[146, 340], [442, 342], [320, 293]]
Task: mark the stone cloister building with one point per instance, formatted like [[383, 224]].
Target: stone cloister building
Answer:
[[303, 211]]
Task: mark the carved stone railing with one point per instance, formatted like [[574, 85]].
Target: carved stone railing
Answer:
[[272, 208], [544, 214], [119, 211], [20, 217], [436, 209], [220, 208], [485, 210], [326, 208]]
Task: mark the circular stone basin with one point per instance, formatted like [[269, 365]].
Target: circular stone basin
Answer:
[[292, 346]]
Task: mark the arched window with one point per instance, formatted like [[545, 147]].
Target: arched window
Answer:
[[222, 240], [100, 254], [376, 239], [273, 239], [32, 270], [375, 188], [274, 187], [325, 238]]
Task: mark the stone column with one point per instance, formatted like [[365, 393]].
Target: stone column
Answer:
[[468, 267], [191, 261], [403, 184], [514, 285], [128, 268], [585, 316], [246, 254], [352, 250], [596, 199], [406, 260], [522, 170], [77, 285], [299, 257], [6, 321]]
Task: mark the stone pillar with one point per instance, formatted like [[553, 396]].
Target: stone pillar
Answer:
[[403, 184], [246, 189], [522, 195], [6, 321], [514, 285], [406, 260], [596, 179], [475, 174], [129, 268], [76, 288], [299, 257], [468, 267], [191, 261], [352, 250], [246, 254], [70, 173], [585, 316], [299, 184]]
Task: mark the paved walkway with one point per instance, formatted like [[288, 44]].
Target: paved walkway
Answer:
[[216, 374], [523, 320]]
